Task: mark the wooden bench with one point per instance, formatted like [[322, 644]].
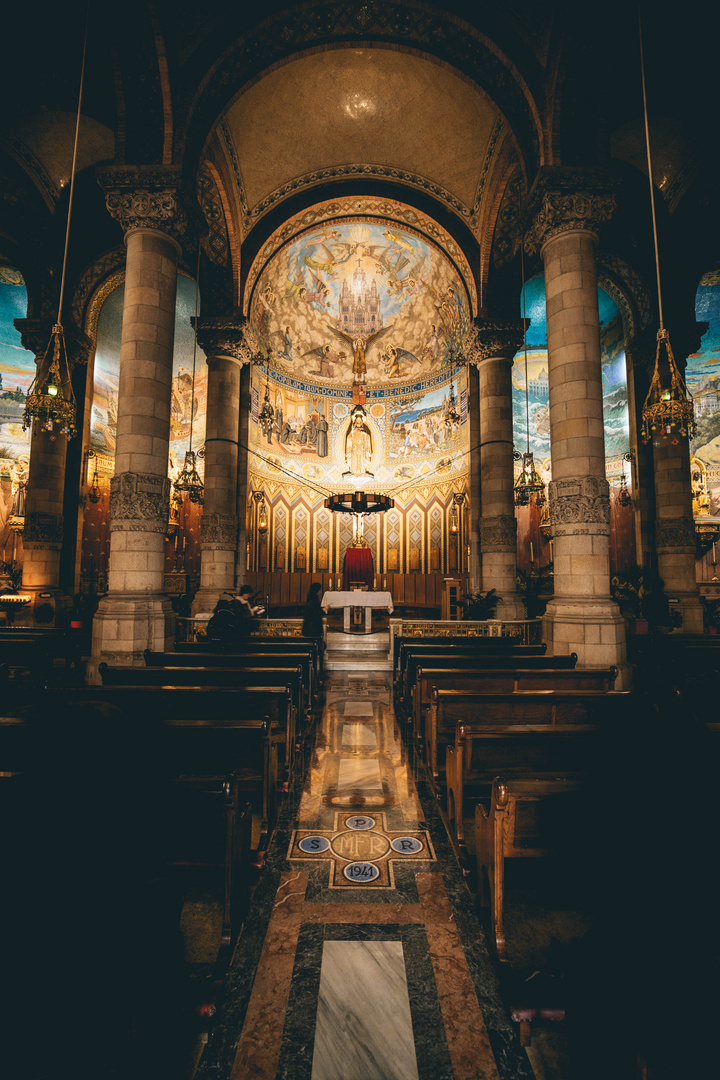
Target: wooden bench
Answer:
[[527, 818], [412, 658], [36, 649], [250, 658], [262, 643], [232, 679], [435, 727], [403, 646], [538, 748]]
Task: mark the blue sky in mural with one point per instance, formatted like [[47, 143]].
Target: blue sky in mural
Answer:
[[17, 368], [613, 373], [703, 374]]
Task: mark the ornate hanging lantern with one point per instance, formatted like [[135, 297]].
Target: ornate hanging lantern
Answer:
[[267, 413], [262, 523], [668, 412], [93, 493], [174, 516], [189, 481], [529, 487], [50, 399]]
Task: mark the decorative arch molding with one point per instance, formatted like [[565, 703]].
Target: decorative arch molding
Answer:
[[384, 209], [632, 296], [96, 283], [430, 32]]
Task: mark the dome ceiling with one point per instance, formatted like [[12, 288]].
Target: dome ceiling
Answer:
[[375, 108]]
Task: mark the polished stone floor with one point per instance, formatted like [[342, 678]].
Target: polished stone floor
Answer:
[[362, 958]]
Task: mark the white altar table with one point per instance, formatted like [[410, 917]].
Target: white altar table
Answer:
[[348, 599]]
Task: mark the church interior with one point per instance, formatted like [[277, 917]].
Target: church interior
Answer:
[[359, 505]]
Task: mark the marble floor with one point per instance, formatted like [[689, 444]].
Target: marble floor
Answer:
[[362, 957]]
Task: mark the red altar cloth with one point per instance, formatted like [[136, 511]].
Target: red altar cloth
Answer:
[[359, 566]]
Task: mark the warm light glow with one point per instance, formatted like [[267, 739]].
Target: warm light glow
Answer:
[[52, 390], [358, 106]]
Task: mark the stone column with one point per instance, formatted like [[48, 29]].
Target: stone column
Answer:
[[475, 567], [136, 615], [565, 207], [43, 531], [242, 474], [675, 532], [495, 345], [222, 342]]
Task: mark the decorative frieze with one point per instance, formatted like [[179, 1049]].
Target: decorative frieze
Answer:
[[674, 535], [487, 340], [151, 197], [139, 502], [498, 533], [580, 506], [227, 335], [43, 528], [219, 531], [567, 200]]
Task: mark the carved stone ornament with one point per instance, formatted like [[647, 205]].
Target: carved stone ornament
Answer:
[[219, 531], [151, 197], [139, 502], [676, 535], [35, 337], [43, 528], [498, 533], [226, 335], [567, 200], [487, 340], [580, 506]]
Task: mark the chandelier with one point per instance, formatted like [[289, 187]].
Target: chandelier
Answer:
[[93, 493], [267, 413], [359, 502], [624, 497], [668, 412], [262, 521]]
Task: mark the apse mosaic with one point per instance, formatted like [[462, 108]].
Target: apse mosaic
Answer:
[[17, 371], [360, 280], [186, 409], [532, 413], [703, 382]]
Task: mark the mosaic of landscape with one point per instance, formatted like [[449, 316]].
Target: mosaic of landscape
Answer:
[[537, 409], [17, 371], [186, 408], [354, 277], [703, 382]]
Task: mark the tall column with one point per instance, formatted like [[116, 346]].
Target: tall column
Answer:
[[675, 532], [43, 530], [565, 206], [136, 615], [475, 567], [222, 341], [494, 348], [242, 474]]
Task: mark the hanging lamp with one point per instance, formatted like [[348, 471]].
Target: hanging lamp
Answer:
[[528, 488], [267, 413], [668, 413], [93, 493], [189, 482], [50, 401]]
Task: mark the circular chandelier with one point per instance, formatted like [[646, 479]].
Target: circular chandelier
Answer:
[[359, 502]]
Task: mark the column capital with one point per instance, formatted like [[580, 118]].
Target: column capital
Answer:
[[488, 339], [226, 335], [219, 531], [580, 506], [35, 336], [565, 200], [152, 197], [139, 502]]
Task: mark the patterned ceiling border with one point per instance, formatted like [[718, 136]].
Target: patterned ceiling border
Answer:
[[489, 152], [343, 392], [33, 165], [363, 209]]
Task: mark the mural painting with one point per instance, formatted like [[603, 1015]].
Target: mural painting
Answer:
[[17, 371], [703, 382], [360, 296]]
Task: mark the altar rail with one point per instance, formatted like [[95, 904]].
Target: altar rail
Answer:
[[194, 629], [525, 631]]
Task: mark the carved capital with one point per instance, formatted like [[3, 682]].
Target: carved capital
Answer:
[[486, 340], [580, 506], [43, 528], [152, 197], [219, 531], [498, 533], [674, 536], [226, 335], [35, 335], [139, 502], [567, 200]]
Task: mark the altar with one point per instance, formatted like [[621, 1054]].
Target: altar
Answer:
[[357, 599]]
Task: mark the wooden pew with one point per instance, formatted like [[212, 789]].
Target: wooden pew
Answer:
[[250, 658], [538, 748], [527, 818], [237, 679], [262, 643], [468, 689], [188, 731], [490, 644], [36, 649], [461, 646], [516, 658]]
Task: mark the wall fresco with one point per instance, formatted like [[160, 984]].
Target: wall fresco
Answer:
[[17, 371], [703, 382], [360, 276]]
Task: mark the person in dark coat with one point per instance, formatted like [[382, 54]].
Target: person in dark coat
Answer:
[[313, 616]]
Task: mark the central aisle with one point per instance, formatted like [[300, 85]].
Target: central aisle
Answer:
[[362, 958]]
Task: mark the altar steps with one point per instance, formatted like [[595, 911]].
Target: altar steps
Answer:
[[358, 652]]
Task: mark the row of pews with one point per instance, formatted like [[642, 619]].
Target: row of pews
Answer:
[[191, 754]]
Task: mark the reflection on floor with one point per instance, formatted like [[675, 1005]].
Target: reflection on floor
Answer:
[[362, 958]]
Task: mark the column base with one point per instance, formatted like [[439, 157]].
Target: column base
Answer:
[[511, 608], [692, 614], [206, 599], [124, 626], [594, 629]]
